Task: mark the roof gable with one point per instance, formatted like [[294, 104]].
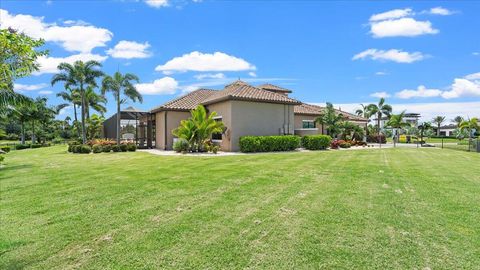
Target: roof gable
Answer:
[[186, 102]]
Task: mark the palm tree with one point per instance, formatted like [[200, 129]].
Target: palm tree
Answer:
[[396, 122], [438, 120], [10, 98], [379, 109], [457, 120], [73, 96], [120, 85], [469, 125], [331, 119], [95, 101], [363, 112], [350, 130], [80, 74], [423, 127]]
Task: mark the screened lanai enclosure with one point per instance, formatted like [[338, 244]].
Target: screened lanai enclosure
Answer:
[[135, 126]]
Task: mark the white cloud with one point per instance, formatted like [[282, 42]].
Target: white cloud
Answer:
[[78, 38], [45, 92], [157, 3], [380, 94], [427, 110], [197, 61], [209, 76], [473, 76], [421, 91], [403, 27], [476, 53], [463, 88], [440, 11], [163, 86], [252, 74], [395, 55], [381, 73], [65, 110], [28, 87], [130, 49], [49, 64], [392, 14]]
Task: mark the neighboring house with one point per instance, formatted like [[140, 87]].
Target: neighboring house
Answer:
[[411, 118], [244, 110], [447, 130]]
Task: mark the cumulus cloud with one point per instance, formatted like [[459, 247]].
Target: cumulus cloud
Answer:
[[129, 49], [421, 91], [157, 3], [209, 76], [380, 94], [45, 92], [252, 74], [74, 38], [49, 64], [197, 61], [395, 55], [163, 86], [403, 27], [392, 14], [440, 11], [28, 87], [463, 88]]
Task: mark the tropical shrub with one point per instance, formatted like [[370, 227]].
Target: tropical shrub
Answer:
[[181, 146], [344, 144], [97, 148], [116, 148], [269, 143], [123, 147], [106, 148], [372, 138], [71, 145], [57, 140], [131, 147], [335, 144], [12, 137], [22, 146], [5, 149], [36, 145], [84, 149], [316, 142]]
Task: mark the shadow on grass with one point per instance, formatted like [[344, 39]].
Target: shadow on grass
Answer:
[[7, 167]]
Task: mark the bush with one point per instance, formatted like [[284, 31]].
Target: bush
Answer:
[[1, 158], [5, 149], [131, 147], [123, 147], [58, 141], [22, 146], [71, 144], [316, 142], [106, 148], [344, 144], [76, 148], [97, 148], [84, 149], [269, 143], [36, 145], [12, 137], [181, 145], [116, 148], [372, 138]]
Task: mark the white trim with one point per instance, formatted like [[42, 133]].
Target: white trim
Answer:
[[217, 141], [217, 117], [306, 129]]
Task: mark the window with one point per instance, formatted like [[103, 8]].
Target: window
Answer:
[[217, 136], [308, 124]]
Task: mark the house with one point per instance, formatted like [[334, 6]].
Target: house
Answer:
[[447, 130], [410, 118], [244, 110]]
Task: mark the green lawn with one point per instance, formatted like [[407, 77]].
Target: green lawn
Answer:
[[383, 209]]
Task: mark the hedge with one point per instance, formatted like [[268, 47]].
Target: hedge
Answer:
[[5, 149], [316, 142], [372, 138], [250, 144]]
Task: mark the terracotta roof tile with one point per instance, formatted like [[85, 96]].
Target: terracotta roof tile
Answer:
[[311, 109], [242, 91], [272, 87], [187, 102]]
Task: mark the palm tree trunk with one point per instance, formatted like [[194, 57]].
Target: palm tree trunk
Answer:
[[33, 131], [84, 134], [118, 118], [23, 132], [438, 130], [379, 115], [76, 118]]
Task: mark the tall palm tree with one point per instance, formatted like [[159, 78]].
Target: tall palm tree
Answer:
[[363, 112], [81, 75], [457, 120], [469, 125], [424, 127], [331, 119], [95, 101], [122, 89], [438, 120], [10, 98], [73, 96], [396, 122], [379, 110]]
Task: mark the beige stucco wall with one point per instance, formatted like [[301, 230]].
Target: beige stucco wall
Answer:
[[173, 121], [224, 109], [259, 119], [300, 131]]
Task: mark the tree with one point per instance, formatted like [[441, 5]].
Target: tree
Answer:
[[94, 127], [469, 126], [363, 112], [94, 101], [122, 89], [73, 96], [17, 59], [425, 126], [379, 110], [438, 120], [331, 119], [198, 128], [396, 122], [81, 75], [457, 120], [349, 130]]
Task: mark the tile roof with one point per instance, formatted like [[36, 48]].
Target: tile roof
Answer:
[[272, 87], [240, 90], [187, 102], [311, 109]]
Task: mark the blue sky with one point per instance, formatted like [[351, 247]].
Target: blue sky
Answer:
[[423, 56]]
